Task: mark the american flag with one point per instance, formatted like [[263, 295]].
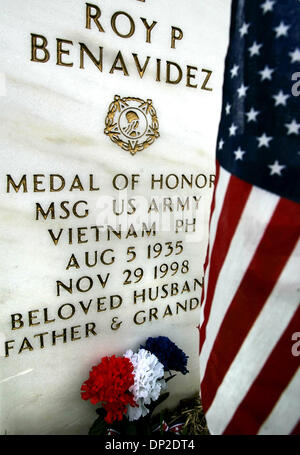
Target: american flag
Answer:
[[250, 313]]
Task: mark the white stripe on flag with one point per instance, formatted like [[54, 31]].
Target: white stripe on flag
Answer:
[[285, 415], [256, 348], [243, 246], [221, 189]]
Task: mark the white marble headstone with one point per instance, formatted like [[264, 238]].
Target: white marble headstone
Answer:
[[106, 106]]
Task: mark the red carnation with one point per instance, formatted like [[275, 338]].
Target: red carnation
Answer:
[[108, 384]]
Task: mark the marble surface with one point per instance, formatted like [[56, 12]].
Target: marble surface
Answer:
[[52, 122]]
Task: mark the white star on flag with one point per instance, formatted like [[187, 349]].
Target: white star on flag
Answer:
[[251, 115], [266, 73], [295, 56], [255, 49], [264, 140], [232, 130], [276, 168], [227, 108], [280, 98], [293, 127], [234, 71], [281, 30], [239, 154], [267, 6], [242, 90], [221, 143], [244, 29]]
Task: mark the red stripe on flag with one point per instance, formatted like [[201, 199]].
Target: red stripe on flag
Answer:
[[296, 430], [272, 253], [234, 202], [212, 208], [268, 386]]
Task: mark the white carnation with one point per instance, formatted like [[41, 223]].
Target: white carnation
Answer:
[[148, 381]]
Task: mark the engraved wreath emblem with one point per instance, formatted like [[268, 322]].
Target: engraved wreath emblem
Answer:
[[131, 123]]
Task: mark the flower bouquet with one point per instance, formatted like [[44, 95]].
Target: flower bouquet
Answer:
[[131, 386]]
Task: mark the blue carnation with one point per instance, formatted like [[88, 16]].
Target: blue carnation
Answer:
[[170, 355]]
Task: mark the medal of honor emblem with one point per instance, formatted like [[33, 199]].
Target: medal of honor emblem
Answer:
[[131, 123]]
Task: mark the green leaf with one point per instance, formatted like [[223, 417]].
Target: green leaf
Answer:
[[170, 377], [101, 412], [99, 427], [144, 425], [130, 428], [160, 400]]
